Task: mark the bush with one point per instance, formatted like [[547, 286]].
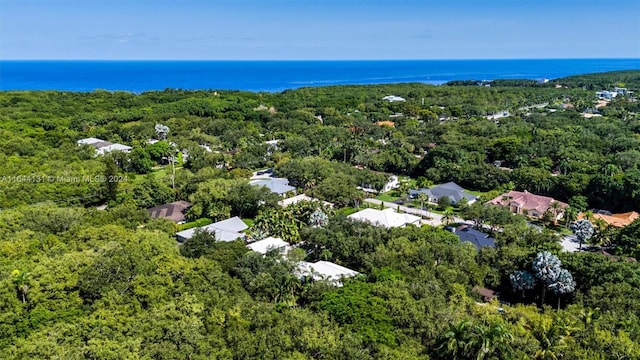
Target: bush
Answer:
[[193, 224]]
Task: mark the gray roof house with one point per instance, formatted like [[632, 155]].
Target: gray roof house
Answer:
[[225, 230], [470, 235], [450, 189], [279, 186]]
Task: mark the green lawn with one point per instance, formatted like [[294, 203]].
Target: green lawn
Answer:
[[477, 193], [346, 211], [389, 196]]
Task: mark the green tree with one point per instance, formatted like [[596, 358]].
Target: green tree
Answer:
[[448, 216], [424, 199], [444, 202], [110, 176], [280, 223]]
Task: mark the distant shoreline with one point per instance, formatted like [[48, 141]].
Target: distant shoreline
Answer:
[[279, 75]]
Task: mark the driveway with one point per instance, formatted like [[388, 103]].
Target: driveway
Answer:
[[434, 219], [570, 243]]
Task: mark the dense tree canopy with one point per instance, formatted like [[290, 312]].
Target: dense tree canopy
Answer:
[[77, 282]]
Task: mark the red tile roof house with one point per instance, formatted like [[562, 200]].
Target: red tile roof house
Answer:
[[529, 204]]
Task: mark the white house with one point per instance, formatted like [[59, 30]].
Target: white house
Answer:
[[393, 98], [620, 91], [302, 197], [325, 270], [279, 186], [606, 95], [265, 245], [393, 183], [498, 115], [225, 230], [387, 218], [102, 147]]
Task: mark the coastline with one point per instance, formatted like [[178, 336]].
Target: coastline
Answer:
[[279, 75]]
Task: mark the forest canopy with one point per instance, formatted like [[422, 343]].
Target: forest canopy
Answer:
[[87, 273]]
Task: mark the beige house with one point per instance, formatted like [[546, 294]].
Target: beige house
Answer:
[[526, 203]]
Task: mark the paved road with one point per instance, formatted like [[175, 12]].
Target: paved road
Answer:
[[435, 219]]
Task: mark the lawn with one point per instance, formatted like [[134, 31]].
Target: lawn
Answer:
[[346, 211], [389, 196]]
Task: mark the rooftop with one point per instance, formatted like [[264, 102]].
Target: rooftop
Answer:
[[173, 211], [386, 218], [526, 200], [301, 197], [487, 294], [450, 189], [473, 236], [276, 185], [393, 98], [616, 220], [225, 230], [103, 146], [270, 243], [325, 270]]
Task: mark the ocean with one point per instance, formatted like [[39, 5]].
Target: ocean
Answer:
[[275, 76]]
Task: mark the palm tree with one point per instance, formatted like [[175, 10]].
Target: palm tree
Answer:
[[456, 341], [493, 340], [555, 208], [357, 198], [424, 199], [583, 230], [563, 284], [403, 189], [522, 280], [546, 267], [552, 335], [570, 215], [318, 219], [447, 216], [280, 223]]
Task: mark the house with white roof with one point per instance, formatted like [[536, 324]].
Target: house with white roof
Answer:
[[621, 91], [271, 243], [394, 98], [102, 147], [225, 230], [606, 95], [325, 270], [387, 218], [302, 197], [279, 186]]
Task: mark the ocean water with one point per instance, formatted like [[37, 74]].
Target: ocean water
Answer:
[[274, 76]]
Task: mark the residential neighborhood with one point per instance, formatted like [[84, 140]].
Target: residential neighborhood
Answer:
[[460, 222]]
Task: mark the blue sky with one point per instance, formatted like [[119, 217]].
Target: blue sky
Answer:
[[318, 29]]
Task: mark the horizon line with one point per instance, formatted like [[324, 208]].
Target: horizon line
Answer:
[[327, 60]]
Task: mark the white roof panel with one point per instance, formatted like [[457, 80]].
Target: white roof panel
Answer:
[[270, 243]]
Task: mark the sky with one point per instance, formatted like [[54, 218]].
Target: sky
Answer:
[[318, 29]]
